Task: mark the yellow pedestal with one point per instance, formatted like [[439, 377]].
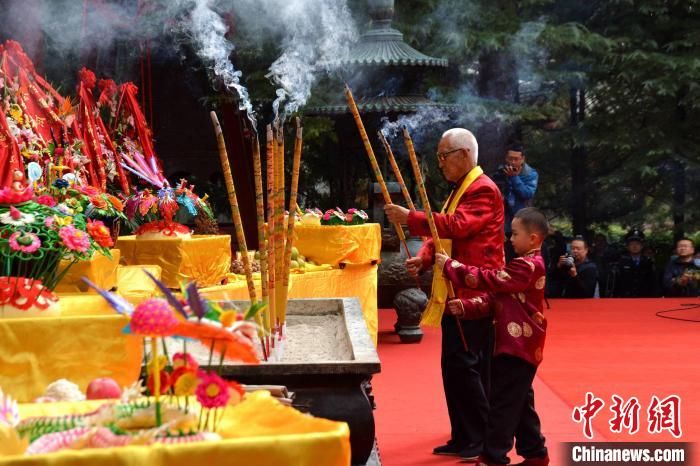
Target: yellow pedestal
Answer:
[[205, 259], [258, 431], [352, 244], [353, 281], [100, 270]]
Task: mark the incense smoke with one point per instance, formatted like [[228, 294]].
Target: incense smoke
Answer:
[[317, 38], [208, 33]]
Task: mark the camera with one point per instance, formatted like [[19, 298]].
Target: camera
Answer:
[[568, 261], [507, 167]]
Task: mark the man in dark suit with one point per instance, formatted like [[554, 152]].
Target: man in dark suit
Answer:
[[474, 223]]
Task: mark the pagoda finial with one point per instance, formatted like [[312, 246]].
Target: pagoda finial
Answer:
[[381, 12]]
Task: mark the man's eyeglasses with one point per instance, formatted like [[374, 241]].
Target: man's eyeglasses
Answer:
[[442, 156]]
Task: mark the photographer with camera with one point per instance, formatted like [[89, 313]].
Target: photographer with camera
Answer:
[[518, 183], [682, 275], [578, 274]]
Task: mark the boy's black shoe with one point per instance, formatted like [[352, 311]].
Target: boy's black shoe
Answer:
[[449, 449]]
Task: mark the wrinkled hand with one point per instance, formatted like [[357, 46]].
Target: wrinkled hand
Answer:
[[440, 260], [562, 261], [455, 307], [395, 213], [414, 266]]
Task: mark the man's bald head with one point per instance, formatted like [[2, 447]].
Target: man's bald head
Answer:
[[458, 153], [460, 138]]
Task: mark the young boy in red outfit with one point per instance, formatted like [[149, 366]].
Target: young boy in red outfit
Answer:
[[515, 297]]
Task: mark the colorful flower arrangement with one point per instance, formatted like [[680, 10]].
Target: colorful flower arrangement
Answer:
[[226, 332], [338, 217], [149, 211], [35, 236]]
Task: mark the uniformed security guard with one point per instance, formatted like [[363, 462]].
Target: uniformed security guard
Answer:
[[636, 276]]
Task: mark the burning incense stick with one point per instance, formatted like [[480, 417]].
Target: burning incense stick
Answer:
[[233, 202], [279, 227], [271, 225], [372, 159], [397, 172], [262, 234], [294, 188]]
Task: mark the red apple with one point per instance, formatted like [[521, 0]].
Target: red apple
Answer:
[[103, 388]]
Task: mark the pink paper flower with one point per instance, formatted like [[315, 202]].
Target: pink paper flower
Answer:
[[212, 391], [46, 200], [74, 239], [24, 242], [153, 317]]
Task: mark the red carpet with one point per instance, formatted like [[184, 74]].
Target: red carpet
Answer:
[[603, 346]]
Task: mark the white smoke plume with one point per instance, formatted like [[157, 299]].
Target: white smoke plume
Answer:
[[318, 36], [426, 119], [209, 36]]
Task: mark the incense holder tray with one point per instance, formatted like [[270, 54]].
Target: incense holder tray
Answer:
[[327, 359]]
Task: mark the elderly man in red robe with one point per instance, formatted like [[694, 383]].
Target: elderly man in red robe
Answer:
[[473, 220]]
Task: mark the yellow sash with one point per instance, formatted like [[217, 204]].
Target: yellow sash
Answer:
[[432, 316]]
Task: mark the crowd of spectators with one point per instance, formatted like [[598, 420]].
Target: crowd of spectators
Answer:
[[576, 269]]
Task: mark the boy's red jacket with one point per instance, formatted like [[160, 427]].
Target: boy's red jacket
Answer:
[[514, 295], [476, 229]]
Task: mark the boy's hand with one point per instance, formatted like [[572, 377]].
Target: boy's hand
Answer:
[[455, 307], [539, 318], [414, 265], [440, 260]]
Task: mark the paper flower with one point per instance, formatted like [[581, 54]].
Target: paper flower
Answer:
[[184, 360], [61, 183], [16, 218], [64, 209], [116, 203], [184, 381], [153, 317], [46, 200], [98, 202], [74, 239], [9, 410], [88, 190], [100, 233], [24, 242], [164, 382], [212, 391]]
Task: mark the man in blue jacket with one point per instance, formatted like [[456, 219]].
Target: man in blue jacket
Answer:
[[518, 183]]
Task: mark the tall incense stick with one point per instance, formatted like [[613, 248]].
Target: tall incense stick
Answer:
[[233, 202], [373, 160], [271, 226], [262, 236], [293, 191], [397, 172], [279, 228]]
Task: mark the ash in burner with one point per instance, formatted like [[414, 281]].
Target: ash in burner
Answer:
[[314, 338]]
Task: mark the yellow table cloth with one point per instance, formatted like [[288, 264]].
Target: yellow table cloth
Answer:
[[205, 259], [349, 244], [259, 431], [353, 281], [37, 351], [100, 270]]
